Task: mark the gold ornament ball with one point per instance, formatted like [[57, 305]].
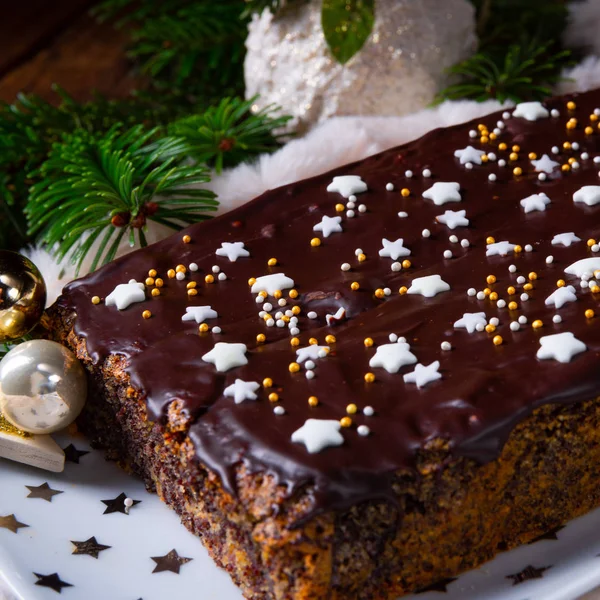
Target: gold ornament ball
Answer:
[[22, 295], [43, 386]]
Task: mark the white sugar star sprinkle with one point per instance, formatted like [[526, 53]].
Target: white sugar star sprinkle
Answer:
[[588, 194], [392, 357], [347, 185], [232, 250], [469, 321], [329, 225], [125, 294], [422, 375], [535, 202], [428, 286], [226, 356], [565, 239], [393, 250], [318, 434], [469, 154], [545, 164], [242, 390], [272, 283], [443, 191], [453, 219], [532, 111], [561, 296], [310, 353], [199, 314], [499, 249], [560, 346], [584, 267]]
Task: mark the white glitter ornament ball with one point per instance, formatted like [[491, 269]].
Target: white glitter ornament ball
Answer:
[[398, 70]]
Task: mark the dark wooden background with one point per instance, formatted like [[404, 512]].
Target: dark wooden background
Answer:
[[56, 41]]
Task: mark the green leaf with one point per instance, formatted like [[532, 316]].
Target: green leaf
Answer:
[[347, 24]]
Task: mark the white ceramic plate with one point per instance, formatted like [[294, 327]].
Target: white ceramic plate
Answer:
[[125, 570]]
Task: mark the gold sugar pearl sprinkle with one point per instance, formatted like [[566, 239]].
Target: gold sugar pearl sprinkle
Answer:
[[405, 192], [369, 377], [171, 273], [589, 130], [571, 125], [481, 127], [490, 328], [293, 294], [518, 249], [149, 281], [285, 319], [516, 148], [180, 269], [502, 146], [490, 240], [593, 118], [487, 291], [497, 340], [209, 278], [263, 294], [339, 207], [517, 171], [571, 105], [294, 341], [191, 284], [532, 156], [492, 136], [345, 421], [159, 283], [273, 397], [354, 286], [403, 290], [296, 310], [594, 289], [261, 338], [252, 281], [277, 294], [272, 262], [186, 239], [368, 342], [192, 292], [362, 257], [406, 264], [146, 314], [267, 382], [528, 287], [313, 401], [491, 279], [537, 324], [571, 160], [510, 290], [315, 242], [566, 145], [560, 283], [589, 313], [494, 296], [513, 305], [152, 273], [513, 156], [484, 139], [351, 409], [203, 328], [313, 341], [591, 242], [95, 299], [330, 339], [293, 367], [484, 158], [379, 293]]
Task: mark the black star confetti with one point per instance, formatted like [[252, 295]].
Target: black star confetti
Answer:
[[170, 562], [44, 491], [10, 522], [52, 581], [528, 573], [549, 535], [72, 454], [438, 586], [90, 547], [118, 505]]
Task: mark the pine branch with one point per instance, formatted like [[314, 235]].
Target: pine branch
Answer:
[[97, 188], [230, 133]]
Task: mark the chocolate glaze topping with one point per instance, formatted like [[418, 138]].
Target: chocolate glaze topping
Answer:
[[485, 388]]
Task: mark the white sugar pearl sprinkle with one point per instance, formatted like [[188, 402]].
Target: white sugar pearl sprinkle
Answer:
[[495, 321], [555, 150], [270, 322], [512, 268], [294, 331], [575, 165], [465, 243], [575, 146], [584, 156], [408, 174], [193, 267], [468, 166], [554, 113], [352, 198], [362, 208], [278, 314], [514, 326], [521, 280], [403, 214], [389, 187], [310, 365], [180, 276], [557, 319], [425, 233], [446, 346], [282, 301], [492, 177], [501, 303], [358, 251], [294, 320], [363, 430], [268, 306], [426, 173], [345, 266], [549, 259], [350, 205], [506, 115], [310, 374], [480, 296], [216, 329], [453, 239], [322, 353], [597, 112], [350, 214], [497, 131], [500, 124], [523, 320], [524, 297], [471, 292], [259, 299], [279, 410], [447, 253], [312, 315], [501, 163], [542, 176], [222, 277], [596, 160], [387, 291], [262, 314], [528, 248], [491, 156], [480, 326], [472, 133], [215, 268], [401, 340], [584, 284], [595, 248], [393, 338], [396, 266], [368, 411]]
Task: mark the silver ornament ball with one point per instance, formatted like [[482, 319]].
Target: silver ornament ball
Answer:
[[398, 70], [43, 386]]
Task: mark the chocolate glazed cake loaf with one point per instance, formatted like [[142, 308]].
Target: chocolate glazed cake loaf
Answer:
[[359, 384]]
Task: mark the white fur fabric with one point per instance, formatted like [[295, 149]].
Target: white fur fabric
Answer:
[[336, 142]]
